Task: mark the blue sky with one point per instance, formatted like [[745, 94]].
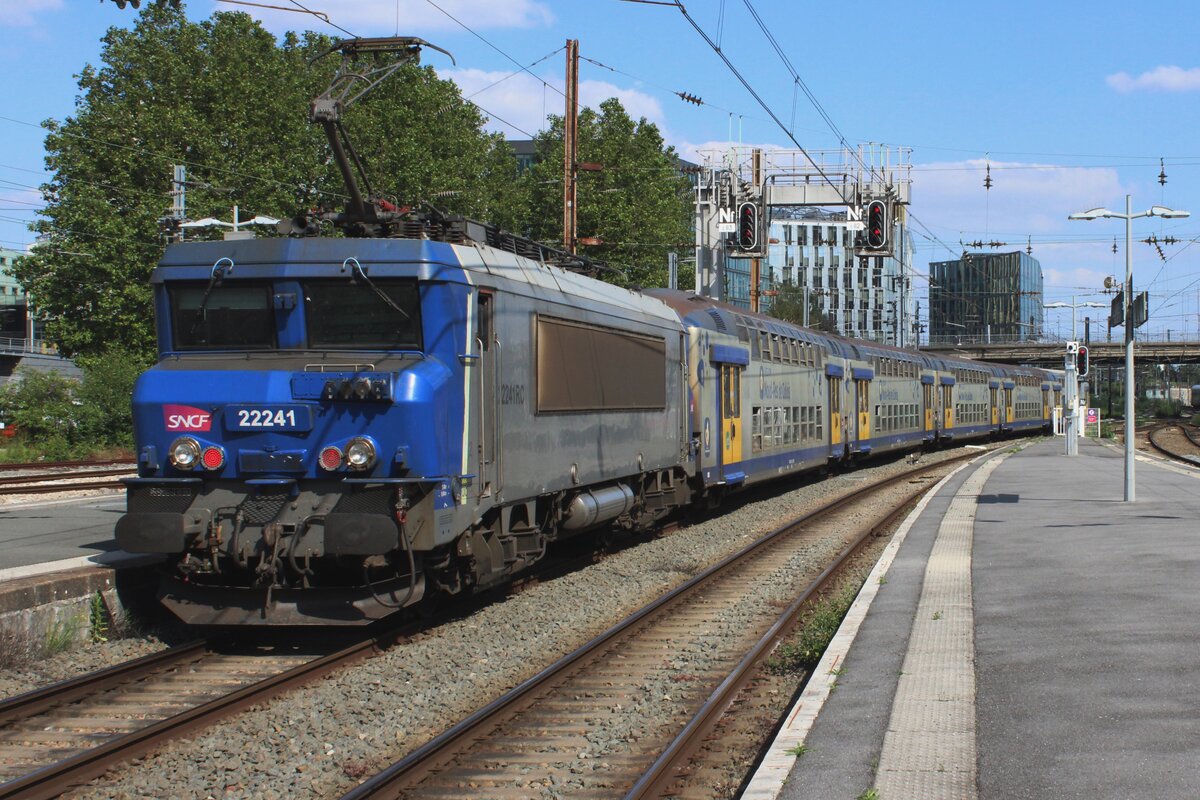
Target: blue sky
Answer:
[[1072, 105]]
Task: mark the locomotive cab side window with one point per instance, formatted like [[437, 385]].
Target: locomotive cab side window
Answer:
[[231, 316], [385, 315]]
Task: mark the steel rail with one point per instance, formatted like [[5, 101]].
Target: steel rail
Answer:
[[1191, 460], [417, 763], [66, 464], [55, 779], [23, 706], [61, 487], [43, 477], [656, 781]]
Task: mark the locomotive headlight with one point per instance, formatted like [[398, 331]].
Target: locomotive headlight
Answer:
[[360, 453], [184, 452]]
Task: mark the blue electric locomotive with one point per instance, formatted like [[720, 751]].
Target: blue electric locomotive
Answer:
[[337, 426]]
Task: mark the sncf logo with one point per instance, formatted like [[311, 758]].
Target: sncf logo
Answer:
[[186, 418]]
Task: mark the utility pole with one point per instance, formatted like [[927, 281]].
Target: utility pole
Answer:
[[570, 129], [178, 200]]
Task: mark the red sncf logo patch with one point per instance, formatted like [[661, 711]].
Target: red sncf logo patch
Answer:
[[186, 418]]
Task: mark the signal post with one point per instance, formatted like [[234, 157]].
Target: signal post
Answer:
[[1075, 365]]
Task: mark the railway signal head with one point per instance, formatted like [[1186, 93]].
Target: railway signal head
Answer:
[[747, 226], [877, 225], [1081, 361]]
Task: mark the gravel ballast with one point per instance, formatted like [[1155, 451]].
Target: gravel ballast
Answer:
[[319, 741]]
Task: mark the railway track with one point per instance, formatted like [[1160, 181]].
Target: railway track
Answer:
[[68, 464], [622, 715], [58, 737], [1157, 437], [69, 480]]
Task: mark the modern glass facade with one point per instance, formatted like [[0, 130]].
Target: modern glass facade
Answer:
[[985, 297]]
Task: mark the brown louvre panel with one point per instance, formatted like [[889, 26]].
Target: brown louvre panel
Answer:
[[585, 368]]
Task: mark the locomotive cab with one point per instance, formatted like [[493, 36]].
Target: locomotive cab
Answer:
[[292, 430]]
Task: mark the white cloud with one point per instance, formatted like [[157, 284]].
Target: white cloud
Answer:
[[21, 13], [1161, 79], [385, 17], [524, 100], [1026, 198], [637, 104]]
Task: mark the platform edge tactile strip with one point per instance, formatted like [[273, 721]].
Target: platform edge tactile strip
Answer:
[[939, 667], [776, 766]]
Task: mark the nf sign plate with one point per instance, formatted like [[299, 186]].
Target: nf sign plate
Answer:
[[725, 221]]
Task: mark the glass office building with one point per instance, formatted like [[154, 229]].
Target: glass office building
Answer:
[[985, 297]]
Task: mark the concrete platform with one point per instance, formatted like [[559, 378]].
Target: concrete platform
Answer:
[[1027, 635], [37, 532], [56, 558]]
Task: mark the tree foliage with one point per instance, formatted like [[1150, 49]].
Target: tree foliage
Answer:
[[62, 417], [638, 204], [788, 304], [227, 99]]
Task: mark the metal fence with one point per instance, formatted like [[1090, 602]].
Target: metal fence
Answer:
[[1158, 337], [26, 347]]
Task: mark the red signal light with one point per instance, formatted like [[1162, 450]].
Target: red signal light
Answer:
[[876, 225], [747, 231]]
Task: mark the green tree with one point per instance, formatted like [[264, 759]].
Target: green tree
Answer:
[[638, 203], [788, 304], [226, 98]]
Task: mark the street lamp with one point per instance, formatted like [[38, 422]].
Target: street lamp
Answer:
[[1129, 217], [1073, 305]]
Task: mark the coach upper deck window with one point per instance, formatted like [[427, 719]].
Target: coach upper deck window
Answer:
[[380, 315], [231, 316]]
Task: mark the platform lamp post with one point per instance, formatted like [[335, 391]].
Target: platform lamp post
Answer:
[[1129, 217]]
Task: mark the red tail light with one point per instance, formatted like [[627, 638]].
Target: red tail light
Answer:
[[331, 458], [213, 458]]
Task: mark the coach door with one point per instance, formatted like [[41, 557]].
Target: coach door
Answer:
[[947, 406], [488, 348], [731, 414], [1045, 404], [862, 402], [1008, 406], [927, 404], [995, 406], [835, 410]]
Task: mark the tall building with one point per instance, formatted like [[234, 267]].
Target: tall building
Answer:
[[13, 300], [985, 297], [812, 251]]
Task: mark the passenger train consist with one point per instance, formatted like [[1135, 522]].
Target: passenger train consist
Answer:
[[337, 427]]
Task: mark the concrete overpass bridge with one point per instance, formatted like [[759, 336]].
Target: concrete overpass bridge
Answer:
[[34, 355], [1050, 354]]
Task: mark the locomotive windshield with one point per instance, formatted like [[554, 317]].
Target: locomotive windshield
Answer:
[[377, 315], [229, 316]]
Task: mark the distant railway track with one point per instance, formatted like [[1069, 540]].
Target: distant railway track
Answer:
[[532, 736], [56, 738], [1157, 437], [63, 476], [67, 464]]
